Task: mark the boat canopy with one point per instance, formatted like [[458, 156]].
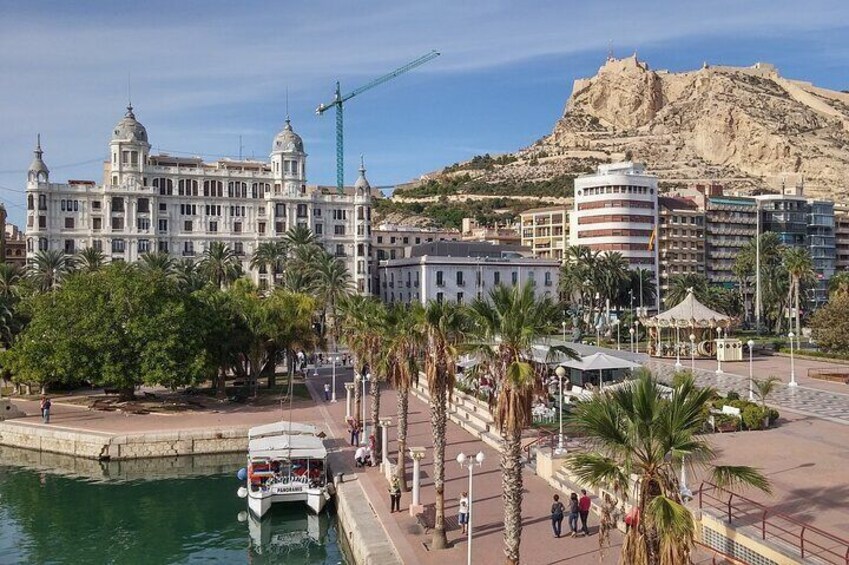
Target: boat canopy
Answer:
[[278, 428], [288, 447]]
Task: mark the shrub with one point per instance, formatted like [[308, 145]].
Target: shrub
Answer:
[[732, 395], [753, 417]]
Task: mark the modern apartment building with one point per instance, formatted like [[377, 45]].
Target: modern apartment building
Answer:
[[462, 271], [730, 224], [680, 240], [180, 205], [616, 209], [545, 231], [841, 236], [499, 234]]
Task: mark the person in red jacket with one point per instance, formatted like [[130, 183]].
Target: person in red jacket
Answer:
[[584, 504]]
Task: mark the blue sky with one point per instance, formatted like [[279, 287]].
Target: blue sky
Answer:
[[204, 73]]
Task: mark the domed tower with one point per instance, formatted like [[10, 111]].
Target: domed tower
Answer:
[[129, 150], [362, 213], [288, 161], [38, 171]]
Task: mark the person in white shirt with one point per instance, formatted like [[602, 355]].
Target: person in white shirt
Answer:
[[361, 456], [463, 517]]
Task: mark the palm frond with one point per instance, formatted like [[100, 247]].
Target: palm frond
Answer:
[[732, 477]]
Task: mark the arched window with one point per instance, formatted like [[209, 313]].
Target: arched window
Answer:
[[30, 202]]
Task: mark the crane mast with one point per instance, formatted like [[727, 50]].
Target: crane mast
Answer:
[[338, 102]]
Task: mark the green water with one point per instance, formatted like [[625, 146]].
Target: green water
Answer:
[[47, 517]]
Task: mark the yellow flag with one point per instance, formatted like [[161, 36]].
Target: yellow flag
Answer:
[[651, 239]]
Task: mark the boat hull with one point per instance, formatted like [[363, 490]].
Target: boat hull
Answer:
[[314, 498]]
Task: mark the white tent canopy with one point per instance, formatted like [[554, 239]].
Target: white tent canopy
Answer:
[[288, 447], [689, 313], [278, 428], [599, 362]]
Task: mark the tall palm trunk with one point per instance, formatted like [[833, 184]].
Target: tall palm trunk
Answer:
[[511, 484], [221, 384], [358, 399], [374, 392], [438, 421], [403, 409]]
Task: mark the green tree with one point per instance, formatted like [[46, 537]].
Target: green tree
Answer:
[[220, 264], [332, 285], [117, 328], [49, 269], [680, 286], [10, 276], [444, 326], [839, 284], [830, 325], [506, 326], [635, 431], [800, 269], [159, 262], [270, 256], [89, 260]]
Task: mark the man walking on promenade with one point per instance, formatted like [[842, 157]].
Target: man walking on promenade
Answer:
[[45, 409], [584, 509], [326, 392]]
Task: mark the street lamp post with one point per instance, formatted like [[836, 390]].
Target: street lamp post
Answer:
[[751, 345], [618, 340], [631, 331], [333, 390], [637, 335], [560, 372], [365, 378], [693, 353], [677, 348], [563, 325], [792, 382], [718, 358], [469, 463]]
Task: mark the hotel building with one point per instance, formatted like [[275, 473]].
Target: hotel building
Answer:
[[180, 205], [545, 231]]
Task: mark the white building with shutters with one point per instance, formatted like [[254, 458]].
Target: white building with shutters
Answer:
[[179, 205]]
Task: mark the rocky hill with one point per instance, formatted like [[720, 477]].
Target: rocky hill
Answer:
[[747, 127]]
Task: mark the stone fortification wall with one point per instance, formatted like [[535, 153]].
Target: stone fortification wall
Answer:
[[104, 446]]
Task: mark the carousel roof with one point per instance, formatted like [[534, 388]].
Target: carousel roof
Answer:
[[689, 313]]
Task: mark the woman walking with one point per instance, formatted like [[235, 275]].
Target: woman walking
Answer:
[[574, 512], [557, 511], [463, 513]]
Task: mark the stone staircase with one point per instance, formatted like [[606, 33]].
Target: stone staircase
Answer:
[[467, 412]]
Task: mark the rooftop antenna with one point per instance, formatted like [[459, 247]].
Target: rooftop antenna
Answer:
[[287, 102], [129, 89], [609, 49]]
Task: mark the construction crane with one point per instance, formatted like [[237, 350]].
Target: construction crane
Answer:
[[340, 99]]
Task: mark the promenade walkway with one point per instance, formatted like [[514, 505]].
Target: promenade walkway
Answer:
[[808, 398], [538, 544]]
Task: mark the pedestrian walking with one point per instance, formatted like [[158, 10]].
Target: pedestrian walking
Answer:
[[395, 495], [352, 429], [45, 409], [326, 392], [584, 504], [463, 513], [358, 429], [557, 511], [574, 512]]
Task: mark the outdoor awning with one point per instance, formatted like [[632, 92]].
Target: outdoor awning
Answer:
[[278, 428], [599, 362], [288, 447]]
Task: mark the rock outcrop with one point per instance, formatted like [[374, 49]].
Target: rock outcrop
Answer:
[[747, 127]]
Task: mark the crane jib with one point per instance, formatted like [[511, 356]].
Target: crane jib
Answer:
[[339, 99]]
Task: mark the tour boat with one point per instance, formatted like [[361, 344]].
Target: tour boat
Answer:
[[287, 463]]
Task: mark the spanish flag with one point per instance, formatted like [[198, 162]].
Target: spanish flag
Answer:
[[651, 239]]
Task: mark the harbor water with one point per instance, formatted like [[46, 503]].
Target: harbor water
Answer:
[[168, 512]]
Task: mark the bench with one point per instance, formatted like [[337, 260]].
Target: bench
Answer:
[[830, 376]]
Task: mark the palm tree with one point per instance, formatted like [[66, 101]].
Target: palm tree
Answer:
[[159, 262], [332, 284], [49, 268], [10, 276], [800, 268], [765, 387], [89, 260], [443, 325], [363, 339], [636, 430], [270, 255], [189, 277], [744, 270], [612, 276], [220, 264], [298, 280], [680, 286], [838, 285], [300, 236], [400, 363], [506, 327]]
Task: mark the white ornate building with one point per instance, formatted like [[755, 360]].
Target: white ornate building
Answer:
[[179, 205]]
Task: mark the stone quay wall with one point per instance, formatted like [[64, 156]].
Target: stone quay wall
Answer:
[[118, 447]]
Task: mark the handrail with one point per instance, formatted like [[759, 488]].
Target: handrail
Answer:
[[808, 540], [542, 435], [723, 555]]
